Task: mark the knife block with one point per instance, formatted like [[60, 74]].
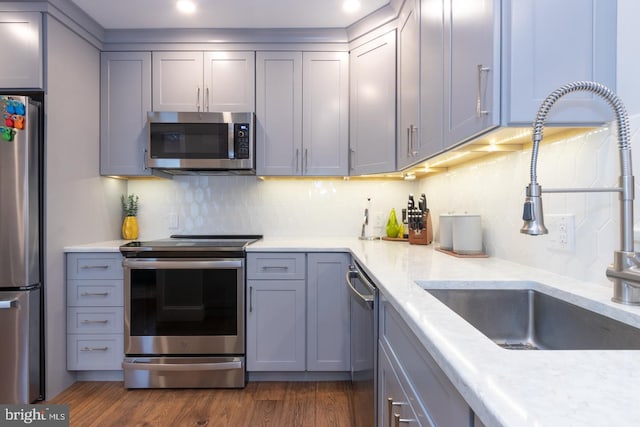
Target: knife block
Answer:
[[424, 236]]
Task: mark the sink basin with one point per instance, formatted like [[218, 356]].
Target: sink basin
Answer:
[[524, 319]]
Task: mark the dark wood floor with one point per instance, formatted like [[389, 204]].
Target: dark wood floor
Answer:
[[281, 404]]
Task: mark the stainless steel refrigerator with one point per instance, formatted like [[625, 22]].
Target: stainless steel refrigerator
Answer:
[[21, 241]]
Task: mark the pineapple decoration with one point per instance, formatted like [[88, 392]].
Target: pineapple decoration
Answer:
[[130, 222]]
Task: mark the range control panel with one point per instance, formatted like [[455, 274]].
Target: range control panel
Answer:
[[241, 140]]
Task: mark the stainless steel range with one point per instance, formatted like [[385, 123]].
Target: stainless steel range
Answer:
[[185, 311]]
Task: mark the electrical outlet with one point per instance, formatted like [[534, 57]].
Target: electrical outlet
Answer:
[[562, 232]]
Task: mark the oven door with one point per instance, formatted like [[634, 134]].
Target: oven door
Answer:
[[184, 307]]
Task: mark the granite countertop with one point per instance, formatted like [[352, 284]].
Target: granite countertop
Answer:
[[503, 387]]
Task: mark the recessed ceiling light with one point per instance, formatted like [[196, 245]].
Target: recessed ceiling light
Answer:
[[351, 5], [186, 6]]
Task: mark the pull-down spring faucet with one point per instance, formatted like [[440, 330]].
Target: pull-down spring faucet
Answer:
[[625, 270]]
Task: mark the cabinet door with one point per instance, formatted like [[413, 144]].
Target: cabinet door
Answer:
[[328, 335], [431, 78], [229, 81], [408, 84], [372, 139], [177, 81], [325, 113], [125, 98], [392, 400], [276, 325], [546, 53], [21, 66], [472, 68], [278, 113]]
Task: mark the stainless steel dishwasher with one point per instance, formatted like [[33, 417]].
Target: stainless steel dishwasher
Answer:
[[364, 345]]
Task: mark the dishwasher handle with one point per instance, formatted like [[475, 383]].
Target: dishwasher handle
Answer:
[[354, 273]]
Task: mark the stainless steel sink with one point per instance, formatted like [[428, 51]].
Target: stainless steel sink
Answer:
[[524, 319]]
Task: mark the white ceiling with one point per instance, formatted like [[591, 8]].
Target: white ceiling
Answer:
[[143, 14]]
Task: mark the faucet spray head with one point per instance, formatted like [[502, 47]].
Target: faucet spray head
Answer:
[[532, 213]]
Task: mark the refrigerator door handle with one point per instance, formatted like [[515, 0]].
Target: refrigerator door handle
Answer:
[[12, 303]]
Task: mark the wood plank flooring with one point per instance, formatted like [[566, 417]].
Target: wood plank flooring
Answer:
[[260, 404]]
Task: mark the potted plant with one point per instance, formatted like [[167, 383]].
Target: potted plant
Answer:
[[130, 222]]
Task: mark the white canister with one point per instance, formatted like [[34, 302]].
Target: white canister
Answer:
[[467, 234], [446, 231]]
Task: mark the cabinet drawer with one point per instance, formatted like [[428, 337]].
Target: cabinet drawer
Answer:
[[92, 293], [95, 320], [440, 400], [278, 266], [94, 266], [95, 352]]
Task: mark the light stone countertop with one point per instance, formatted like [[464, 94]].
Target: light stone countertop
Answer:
[[503, 387]]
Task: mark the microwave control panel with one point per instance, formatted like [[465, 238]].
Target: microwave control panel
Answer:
[[241, 140]]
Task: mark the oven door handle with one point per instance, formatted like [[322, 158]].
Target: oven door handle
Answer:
[[182, 263], [220, 366]]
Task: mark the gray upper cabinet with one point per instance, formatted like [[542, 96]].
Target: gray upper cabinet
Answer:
[[278, 113], [432, 77], [125, 99], [302, 113], [545, 52], [408, 138], [471, 68], [325, 113], [204, 81], [373, 106], [22, 64], [493, 63]]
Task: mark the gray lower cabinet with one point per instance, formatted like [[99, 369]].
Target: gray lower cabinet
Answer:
[[125, 99], [328, 336], [420, 392], [297, 312], [95, 330]]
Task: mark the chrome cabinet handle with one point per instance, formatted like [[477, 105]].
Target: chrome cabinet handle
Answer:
[[198, 99], [306, 160], [90, 322], [297, 160], [94, 294], [275, 267], [250, 299], [91, 349], [352, 158], [145, 163], [397, 420], [206, 100], [414, 132], [94, 267], [479, 110], [408, 142]]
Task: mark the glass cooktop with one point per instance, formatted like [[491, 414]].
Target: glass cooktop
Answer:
[[190, 242]]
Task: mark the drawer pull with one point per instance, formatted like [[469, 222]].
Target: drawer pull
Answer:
[[95, 267], [89, 322], [397, 420], [275, 267], [90, 349], [94, 294]]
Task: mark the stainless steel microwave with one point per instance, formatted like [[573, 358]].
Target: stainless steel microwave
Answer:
[[207, 143]]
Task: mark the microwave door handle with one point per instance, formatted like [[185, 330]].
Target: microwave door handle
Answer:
[[230, 140]]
